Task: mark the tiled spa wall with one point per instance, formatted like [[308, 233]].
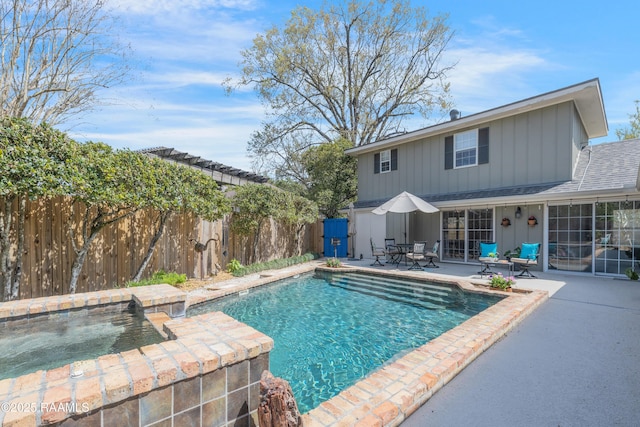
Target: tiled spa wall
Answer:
[[225, 397], [206, 373]]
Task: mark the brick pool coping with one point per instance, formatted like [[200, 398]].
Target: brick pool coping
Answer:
[[198, 345], [212, 341], [389, 395], [147, 297]]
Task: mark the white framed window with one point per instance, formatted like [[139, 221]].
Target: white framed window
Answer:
[[385, 161], [466, 148]]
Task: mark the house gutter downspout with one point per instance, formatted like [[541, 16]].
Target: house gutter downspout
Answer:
[[585, 169]]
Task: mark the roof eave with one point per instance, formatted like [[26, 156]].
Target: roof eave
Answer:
[[511, 200], [587, 97]]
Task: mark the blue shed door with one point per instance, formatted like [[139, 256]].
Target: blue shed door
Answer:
[[335, 228]]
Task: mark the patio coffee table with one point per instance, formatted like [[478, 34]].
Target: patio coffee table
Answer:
[[486, 263]]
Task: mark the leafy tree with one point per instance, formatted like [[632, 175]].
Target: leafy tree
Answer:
[[202, 196], [107, 186], [34, 163], [298, 212], [178, 188], [633, 131], [355, 70], [291, 186], [254, 204], [56, 55], [333, 176]]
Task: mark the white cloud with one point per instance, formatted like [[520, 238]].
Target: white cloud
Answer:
[[492, 30], [484, 79], [216, 131], [185, 77], [162, 7]]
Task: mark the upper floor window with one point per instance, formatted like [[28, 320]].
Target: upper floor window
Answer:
[[466, 148], [385, 161], [469, 148]]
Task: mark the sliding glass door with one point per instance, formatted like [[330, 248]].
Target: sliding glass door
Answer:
[[601, 237], [463, 230], [617, 232]]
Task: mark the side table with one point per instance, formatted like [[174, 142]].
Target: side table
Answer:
[[486, 263]]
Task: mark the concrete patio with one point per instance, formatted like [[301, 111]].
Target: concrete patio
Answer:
[[575, 361]]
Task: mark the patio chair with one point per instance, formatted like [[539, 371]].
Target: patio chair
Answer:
[[377, 252], [431, 255], [486, 248], [392, 251], [528, 258], [417, 255]]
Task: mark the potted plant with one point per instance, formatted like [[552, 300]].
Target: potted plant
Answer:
[[512, 253], [631, 274], [493, 256], [532, 221], [506, 222], [498, 281], [334, 263]]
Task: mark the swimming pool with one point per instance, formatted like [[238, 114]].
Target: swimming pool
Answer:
[[54, 340], [332, 329]]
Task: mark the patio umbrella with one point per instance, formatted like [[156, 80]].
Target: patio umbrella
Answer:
[[404, 203]]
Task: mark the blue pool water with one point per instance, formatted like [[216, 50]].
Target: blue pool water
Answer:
[[48, 342], [330, 330]]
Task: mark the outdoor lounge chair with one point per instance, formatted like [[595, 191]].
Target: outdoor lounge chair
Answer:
[[377, 252], [431, 255], [392, 251], [417, 255], [528, 258], [486, 248]]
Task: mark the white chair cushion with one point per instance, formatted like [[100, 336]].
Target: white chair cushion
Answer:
[[524, 261]]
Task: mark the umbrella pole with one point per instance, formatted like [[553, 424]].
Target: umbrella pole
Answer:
[[405, 228], [353, 247]]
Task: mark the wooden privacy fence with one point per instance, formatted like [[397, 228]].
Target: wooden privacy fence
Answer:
[[117, 252]]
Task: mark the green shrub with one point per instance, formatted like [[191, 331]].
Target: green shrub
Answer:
[[233, 266], [160, 277], [334, 263], [631, 274], [274, 264]]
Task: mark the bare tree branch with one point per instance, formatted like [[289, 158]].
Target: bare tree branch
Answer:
[[55, 56], [355, 69]]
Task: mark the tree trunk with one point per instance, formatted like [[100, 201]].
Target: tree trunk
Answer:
[[278, 407], [89, 233], [256, 241], [298, 230], [5, 247], [17, 269], [162, 219], [78, 263]]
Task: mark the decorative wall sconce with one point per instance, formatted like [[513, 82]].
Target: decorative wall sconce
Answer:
[[518, 212], [506, 222]]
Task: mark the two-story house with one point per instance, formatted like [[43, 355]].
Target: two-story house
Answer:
[[490, 173]]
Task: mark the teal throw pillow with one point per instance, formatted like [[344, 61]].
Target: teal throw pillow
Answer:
[[529, 250], [487, 248]]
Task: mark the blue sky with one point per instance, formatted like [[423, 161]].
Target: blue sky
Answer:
[[505, 51]]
